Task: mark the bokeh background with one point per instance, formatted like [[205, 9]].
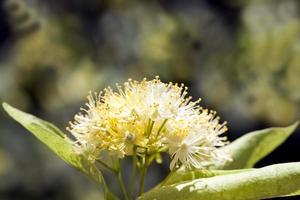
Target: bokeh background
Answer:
[[242, 57]]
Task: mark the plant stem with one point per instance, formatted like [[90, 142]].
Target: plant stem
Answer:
[[133, 175], [120, 179], [150, 127], [143, 174], [118, 173], [107, 192], [106, 166], [161, 127]]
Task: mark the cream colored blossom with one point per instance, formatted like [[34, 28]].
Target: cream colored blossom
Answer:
[[152, 116], [194, 143]]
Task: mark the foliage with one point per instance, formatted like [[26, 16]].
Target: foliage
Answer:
[[272, 181], [235, 182], [54, 139], [249, 149]]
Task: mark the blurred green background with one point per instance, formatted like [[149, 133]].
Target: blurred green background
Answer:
[[242, 57]]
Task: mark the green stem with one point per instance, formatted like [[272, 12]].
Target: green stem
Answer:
[[143, 174], [106, 166], [118, 173], [122, 185], [161, 127], [107, 192], [150, 127], [133, 175]]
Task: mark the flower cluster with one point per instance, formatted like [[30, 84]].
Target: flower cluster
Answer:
[[149, 117]]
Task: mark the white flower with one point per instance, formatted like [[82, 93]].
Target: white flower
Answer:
[[153, 116], [195, 143]]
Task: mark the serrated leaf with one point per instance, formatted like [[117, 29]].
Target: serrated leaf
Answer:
[[247, 150], [56, 141], [268, 182]]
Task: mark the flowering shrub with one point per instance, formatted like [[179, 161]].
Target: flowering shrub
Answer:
[[145, 119]]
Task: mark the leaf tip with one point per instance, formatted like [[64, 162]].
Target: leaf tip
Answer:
[[6, 106], [297, 123], [12, 111], [294, 126]]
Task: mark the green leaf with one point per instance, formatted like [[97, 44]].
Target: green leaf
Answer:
[[180, 176], [247, 150], [272, 181], [297, 193], [56, 140]]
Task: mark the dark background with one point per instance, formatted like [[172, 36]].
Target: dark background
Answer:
[[240, 56]]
